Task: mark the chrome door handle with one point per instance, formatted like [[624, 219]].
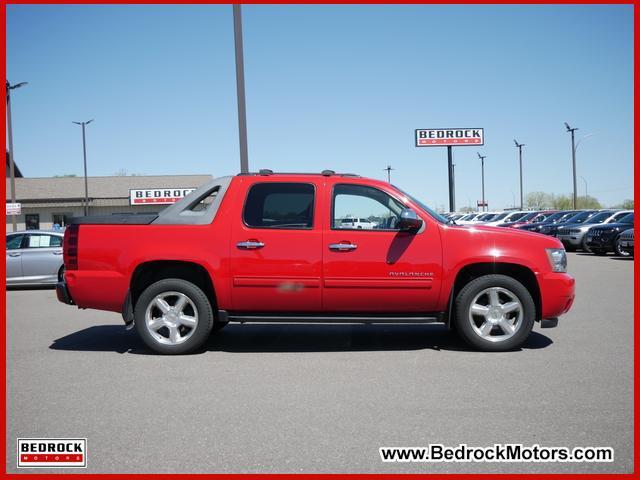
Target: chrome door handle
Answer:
[[343, 247], [14, 254], [250, 245], [57, 253]]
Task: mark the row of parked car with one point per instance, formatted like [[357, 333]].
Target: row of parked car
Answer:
[[596, 231]]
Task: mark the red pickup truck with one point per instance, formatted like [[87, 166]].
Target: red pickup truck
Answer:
[[275, 247]]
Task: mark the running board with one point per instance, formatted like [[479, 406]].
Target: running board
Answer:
[[225, 316]]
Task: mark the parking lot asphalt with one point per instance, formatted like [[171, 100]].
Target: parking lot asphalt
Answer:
[[324, 398]]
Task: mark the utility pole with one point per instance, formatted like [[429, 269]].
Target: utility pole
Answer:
[[573, 158], [84, 152], [10, 135], [388, 169], [242, 108], [519, 147], [481, 157]]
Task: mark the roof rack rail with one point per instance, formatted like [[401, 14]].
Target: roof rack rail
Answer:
[[325, 173]]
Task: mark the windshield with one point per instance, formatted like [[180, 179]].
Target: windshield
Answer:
[[600, 217], [499, 217], [528, 216], [554, 217], [435, 215], [628, 218], [617, 216], [575, 217], [516, 216]]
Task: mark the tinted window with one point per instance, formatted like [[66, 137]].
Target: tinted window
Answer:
[[616, 217], [375, 209], [14, 241], [600, 217], [628, 218], [516, 216], [280, 205]]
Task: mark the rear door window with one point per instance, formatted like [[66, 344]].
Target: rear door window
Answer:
[[280, 206]]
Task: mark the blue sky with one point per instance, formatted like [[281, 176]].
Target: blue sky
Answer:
[[339, 87]]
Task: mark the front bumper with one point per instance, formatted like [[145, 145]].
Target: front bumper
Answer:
[[573, 239], [62, 292], [600, 242], [557, 291]]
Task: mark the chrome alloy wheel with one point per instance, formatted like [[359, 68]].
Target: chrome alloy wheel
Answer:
[[496, 314], [171, 318]]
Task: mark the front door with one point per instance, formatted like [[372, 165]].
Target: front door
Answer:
[[276, 249], [372, 266]]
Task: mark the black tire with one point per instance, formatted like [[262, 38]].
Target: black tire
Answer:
[[201, 306], [475, 287], [61, 274], [617, 250], [585, 247], [569, 248]]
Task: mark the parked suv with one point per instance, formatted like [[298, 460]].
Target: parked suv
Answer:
[[580, 217], [604, 238], [272, 247]]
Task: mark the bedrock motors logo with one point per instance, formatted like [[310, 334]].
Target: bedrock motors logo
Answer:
[[52, 452]]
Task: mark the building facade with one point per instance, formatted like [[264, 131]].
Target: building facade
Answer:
[[48, 203]]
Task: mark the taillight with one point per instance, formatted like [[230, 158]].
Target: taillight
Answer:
[[71, 247]]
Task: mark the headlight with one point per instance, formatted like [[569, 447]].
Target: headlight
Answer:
[[557, 259]]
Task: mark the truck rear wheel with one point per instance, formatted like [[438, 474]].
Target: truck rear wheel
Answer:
[[494, 313], [173, 316]]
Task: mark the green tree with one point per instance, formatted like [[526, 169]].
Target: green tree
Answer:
[[538, 200], [626, 204]]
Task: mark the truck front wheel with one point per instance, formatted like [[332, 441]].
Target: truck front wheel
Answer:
[[173, 316], [494, 313]]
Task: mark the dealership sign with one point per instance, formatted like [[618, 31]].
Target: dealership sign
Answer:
[[14, 208], [157, 196], [449, 137]]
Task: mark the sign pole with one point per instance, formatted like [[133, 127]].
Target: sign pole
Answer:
[[242, 109], [11, 167], [449, 137], [452, 196]]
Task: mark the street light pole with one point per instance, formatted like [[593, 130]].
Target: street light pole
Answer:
[[573, 158], [84, 152], [586, 192], [519, 146], [10, 135], [242, 108], [388, 169], [481, 157]]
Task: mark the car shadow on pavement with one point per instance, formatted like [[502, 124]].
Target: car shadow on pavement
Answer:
[[272, 338], [624, 259]]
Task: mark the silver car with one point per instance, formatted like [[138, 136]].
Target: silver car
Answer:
[[34, 257]]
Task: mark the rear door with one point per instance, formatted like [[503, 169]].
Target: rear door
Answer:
[[276, 261], [14, 257], [42, 258]]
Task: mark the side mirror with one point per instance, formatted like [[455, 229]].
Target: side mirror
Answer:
[[409, 221]]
